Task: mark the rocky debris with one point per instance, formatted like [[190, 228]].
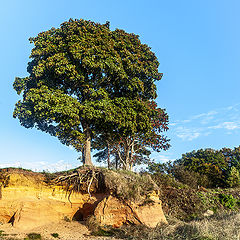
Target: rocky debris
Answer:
[[208, 213]]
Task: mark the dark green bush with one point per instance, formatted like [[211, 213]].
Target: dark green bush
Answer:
[[55, 235], [34, 236]]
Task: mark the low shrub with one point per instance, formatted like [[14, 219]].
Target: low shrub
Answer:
[[66, 219], [33, 236], [97, 230]]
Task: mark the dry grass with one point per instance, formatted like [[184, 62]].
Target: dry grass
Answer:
[[128, 185], [222, 226]]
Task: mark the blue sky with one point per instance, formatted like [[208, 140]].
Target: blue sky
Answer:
[[196, 42]]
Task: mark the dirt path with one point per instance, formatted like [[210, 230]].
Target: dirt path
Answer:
[[65, 230]]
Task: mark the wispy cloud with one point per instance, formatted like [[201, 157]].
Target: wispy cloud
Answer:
[[208, 115], [42, 165], [226, 125], [187, 134], [162, 157], [203, 118], [190, 133], [204, 124]]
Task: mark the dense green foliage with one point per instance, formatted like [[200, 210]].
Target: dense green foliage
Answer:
[[124, 149], [205, 167], [86, 80]]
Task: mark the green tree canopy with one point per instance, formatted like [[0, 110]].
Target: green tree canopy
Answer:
[[208, 167], [127, 147], [84, 77]]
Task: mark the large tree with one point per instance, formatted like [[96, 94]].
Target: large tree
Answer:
[[80, 76]]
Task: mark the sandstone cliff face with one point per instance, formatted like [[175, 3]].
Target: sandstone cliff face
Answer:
[[112, 211], [27, 202]]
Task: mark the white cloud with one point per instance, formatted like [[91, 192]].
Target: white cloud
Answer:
[[42, 165], [231, 125], [163, 158], [71, 147], [186, 121], [204, 115], [234, 107], [204, 118], [187, 134], [172, 124], [204, 124], [8, 165], [207, 120], [226, 125]]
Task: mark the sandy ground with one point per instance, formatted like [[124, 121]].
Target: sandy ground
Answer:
[[65, 230]]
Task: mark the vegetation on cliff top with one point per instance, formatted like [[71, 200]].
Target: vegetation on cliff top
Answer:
[[124, 185]]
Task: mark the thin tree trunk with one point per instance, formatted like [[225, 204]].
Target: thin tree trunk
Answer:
[[108, 157], [132, 156], [131, 167], [118, 153], [87, 146], [116, 159], [83, 154], [127, 157]]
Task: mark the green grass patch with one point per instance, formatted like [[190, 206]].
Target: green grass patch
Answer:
[[33, 236]]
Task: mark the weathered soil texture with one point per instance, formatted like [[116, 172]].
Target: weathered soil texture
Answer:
[[66, 231]]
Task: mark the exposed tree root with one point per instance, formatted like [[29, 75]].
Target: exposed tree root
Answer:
[[86, 180], [122, 184]]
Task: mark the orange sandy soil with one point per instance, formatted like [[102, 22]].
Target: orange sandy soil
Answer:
[[65, 230]]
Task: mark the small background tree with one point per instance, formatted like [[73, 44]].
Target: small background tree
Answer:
[[204, 167]]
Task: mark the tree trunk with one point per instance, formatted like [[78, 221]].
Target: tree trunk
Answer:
[[87, 161], [116, 163], [126, 166], [108, 157], [132, 156]]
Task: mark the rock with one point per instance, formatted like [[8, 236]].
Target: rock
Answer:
[[208, 213], [111, 211], [115, 212]]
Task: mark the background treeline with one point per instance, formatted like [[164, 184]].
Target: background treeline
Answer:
[[205, 167]]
